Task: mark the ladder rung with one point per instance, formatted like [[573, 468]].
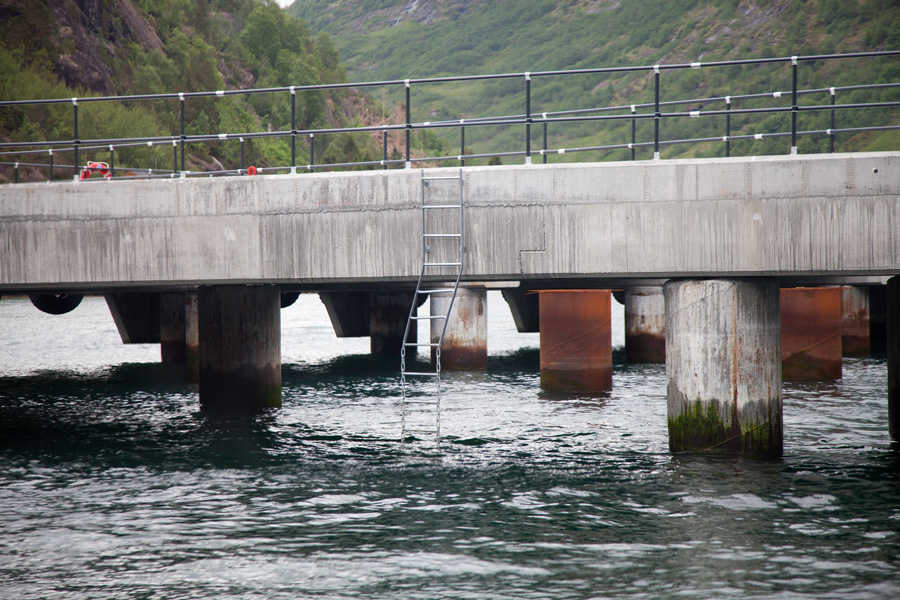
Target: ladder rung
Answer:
[[417, 344], [454, 264], [428, 402], [429, 318], [440, 206], [420, 374], [435, 291], [443, 235], [441, 178]]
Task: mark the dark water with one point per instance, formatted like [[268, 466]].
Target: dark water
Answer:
[[114, 485]]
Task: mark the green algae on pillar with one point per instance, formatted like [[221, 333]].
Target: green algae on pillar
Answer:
[[723, 365]]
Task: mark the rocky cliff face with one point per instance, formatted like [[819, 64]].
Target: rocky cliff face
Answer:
[[363, 17]]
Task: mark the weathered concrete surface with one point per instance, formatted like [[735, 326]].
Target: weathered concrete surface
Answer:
[[893, 355], [645, 325], [811, 333], [783, 216], [240, 347], [723, 365], [465, 340], [855, 328], [576, 340]]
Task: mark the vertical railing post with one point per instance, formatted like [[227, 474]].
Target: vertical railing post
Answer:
[[174, 157], [112, 160], [794, 107], [728, 126], [75, 131], [384, 148], [242, 153], [293, 133], [51, 164], [16, 169], [633, 131], [831, 130], [462, 143], [527, 118], [408, 124], [183, 139], [656, 116], [312, 151], [545, 139]]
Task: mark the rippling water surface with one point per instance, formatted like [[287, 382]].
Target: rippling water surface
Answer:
[[114, 485]]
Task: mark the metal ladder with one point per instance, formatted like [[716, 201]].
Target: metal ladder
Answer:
[[421, 413]]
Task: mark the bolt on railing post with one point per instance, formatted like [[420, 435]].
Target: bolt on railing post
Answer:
[[408, 124], [112, 160], [545, 139], [75, 131], [462, 145], [794, 107], [633, 130], [242, 152], [831, 131], [312, 151], [183, 139], [293, 133], [728, 126], [51, 164], [656, 116], [527, 118]]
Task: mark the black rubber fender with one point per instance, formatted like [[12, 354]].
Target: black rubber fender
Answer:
[[56, 304], [288, 298]]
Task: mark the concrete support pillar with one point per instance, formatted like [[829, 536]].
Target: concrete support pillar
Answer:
[[855, 334], [576, 340], [811, 333], [240, 347], [192, 336], [173, 348], [723, 365], [465, 341], [387, 322], [645, 325], [893, 355]]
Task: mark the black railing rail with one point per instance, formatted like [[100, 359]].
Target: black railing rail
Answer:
[[16, 153]]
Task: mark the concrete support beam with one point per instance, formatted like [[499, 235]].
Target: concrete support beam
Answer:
[[136, 316], [576, 340], [893, 355], [855, 334], [173, 346], [240, 347], [465, 340], [387, 321], [723, 364], [645, 325], [349, 312], [811, 333], [192, 336], [525, 308]]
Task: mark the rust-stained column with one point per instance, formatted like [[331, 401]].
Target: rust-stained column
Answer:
[[387, 322], [893, 355], [192, 336], [645, 325], [465, 342], [811, 333], [723, 365], [240, 347], [576, 340], [855, 336], [171, 329]]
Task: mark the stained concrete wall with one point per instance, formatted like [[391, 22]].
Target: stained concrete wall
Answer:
[[785, 215]]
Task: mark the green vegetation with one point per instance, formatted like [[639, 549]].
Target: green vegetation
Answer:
[[509, 36]]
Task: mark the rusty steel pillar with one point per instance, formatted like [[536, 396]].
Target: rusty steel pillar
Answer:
[[893, 355], [173, 348], [387, 322], [723, 365], [855, 334], [576, 340], [465, 341], [645, 325], [811, 333], [192, 336], [240, 347]]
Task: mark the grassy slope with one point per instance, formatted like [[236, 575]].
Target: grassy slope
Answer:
[[534, 35]]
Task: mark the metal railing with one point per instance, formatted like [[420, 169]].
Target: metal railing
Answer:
[[29, 153]]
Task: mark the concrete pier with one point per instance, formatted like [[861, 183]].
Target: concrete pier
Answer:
[[240, 347], [855, 327], [811, 333], [645, 325], [893, 355], [387, 321], [723, 365], [576, 340], [172, 343], [465, 341], [192, 336]]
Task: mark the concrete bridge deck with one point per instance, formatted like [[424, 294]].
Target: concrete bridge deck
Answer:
[[792, 217]]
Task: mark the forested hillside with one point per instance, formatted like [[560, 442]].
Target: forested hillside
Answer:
[[389, 39], [76, 48]]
